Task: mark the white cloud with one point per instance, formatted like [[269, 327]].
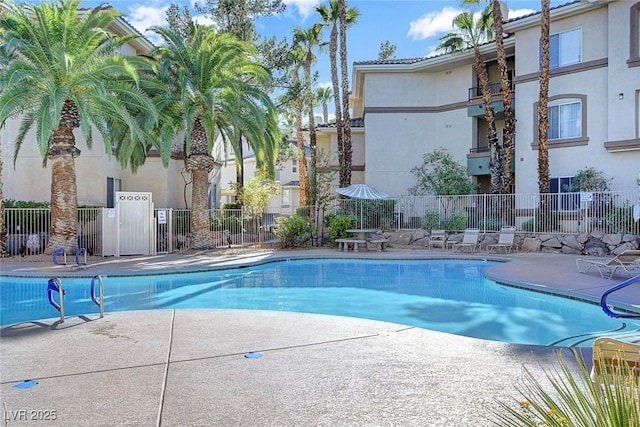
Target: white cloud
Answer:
[[305, 7], [325, 84], [520, 12], [433, 23], [142, 17]]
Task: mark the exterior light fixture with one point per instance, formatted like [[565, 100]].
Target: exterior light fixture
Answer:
[[621, 95]]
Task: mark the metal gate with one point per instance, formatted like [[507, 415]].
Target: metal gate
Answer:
[[134, 213]]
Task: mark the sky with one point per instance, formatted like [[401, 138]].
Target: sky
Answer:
[[413, 26]]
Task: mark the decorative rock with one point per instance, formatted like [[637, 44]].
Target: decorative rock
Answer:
[[624, 247], [612, 239], [572, 243], [597, 234], [554, 242], [595, 247], [530, 244], [418, 235], [583, 238], [570, 251]]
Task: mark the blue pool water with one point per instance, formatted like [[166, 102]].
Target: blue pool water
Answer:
[[444, 295]]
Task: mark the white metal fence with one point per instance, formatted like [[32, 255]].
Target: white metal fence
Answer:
[[566, 213], [27, 229]]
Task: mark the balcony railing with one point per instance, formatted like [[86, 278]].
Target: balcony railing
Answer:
[[479, 150], [496, 89]]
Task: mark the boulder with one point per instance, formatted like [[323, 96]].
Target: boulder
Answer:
[[595, 247], [554, 242], [573, 243], [570, 251], [612, 239], [530, 244]]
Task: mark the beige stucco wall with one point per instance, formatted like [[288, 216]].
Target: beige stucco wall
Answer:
[[397, 136], [604, 37], [30, 181]]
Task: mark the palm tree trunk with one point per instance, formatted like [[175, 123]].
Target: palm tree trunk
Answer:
[[200, 229], [239, 171], [496, 163], [346, 119], [302, 161], [200, 163], [313, 183], [506, 181], [333, 48], [64, 191], [543, 125]]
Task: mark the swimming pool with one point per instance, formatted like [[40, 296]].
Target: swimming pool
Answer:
[[444, 295]]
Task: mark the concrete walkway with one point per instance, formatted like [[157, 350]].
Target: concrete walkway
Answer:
[[199, 367]]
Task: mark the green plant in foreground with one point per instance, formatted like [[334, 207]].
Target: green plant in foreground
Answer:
[[567, 397]]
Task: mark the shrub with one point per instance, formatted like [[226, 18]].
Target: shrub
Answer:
[[491, 223], [304, 212], [431, 221], [572, 400], [456, 221], [339, 225], [620, 220], [293, 231]]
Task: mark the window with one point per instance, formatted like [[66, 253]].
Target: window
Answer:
[[565, 121], [286, 197], [565, 48], [566, 200], [294, 164], [113, 185]]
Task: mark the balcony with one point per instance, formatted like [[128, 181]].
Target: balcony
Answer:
[[478, 161], [476, 105]]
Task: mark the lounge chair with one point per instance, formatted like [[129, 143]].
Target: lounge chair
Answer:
[[437, 238], [614, 358], [505, 241], [469, 240], [626, 261]]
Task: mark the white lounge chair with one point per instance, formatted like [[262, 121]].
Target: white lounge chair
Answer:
[[469, 240], [437, 238], [627, 261], [505, 241], [614, 361]]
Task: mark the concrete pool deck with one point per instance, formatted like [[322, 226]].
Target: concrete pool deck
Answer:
[[190, 367]]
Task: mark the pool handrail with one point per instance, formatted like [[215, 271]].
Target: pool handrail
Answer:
[[55, 285], [605, 307], [100, 300]]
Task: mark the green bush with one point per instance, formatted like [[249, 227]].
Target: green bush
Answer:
[[293, 231], [431, 221], [550, 222], [491, 224], [620, 220], [339, 225], [455, 222], [303, 212]]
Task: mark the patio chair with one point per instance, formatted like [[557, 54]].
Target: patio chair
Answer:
[[627, 261], [505, 241], [614, 361], [469, 240], [437, 238]]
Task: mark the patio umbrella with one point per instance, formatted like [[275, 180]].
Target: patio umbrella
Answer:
[[362, 191]]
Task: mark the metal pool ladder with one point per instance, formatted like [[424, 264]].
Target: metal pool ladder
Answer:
[[55, 285], [605, 307]]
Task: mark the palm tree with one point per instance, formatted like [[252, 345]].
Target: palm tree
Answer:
[[297, 58], [207, 78], [345, 20], [308, 40], [506, 180], [64, 71], [471, 33], [331, 17], [543, 125], [323, 96]]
